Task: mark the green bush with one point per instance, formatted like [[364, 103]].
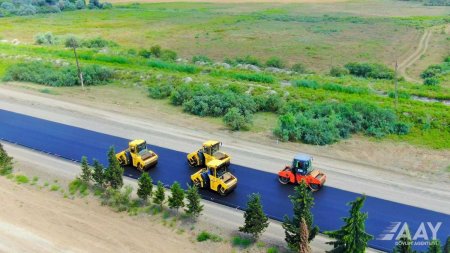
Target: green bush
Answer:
[[235, 120], [78, 185], [400, 94], [168, 55], [119, 200], [186, 68], [205, 235], [431, 81], [345, 89], [269, 103], [326, 123], [299, 68], [370, 70], [22, 179], [241, 241], [338, 71], [45, 39], [312, 84], [145, 53], [156, 51], [160, 91], [48, 74], [201, 58], [262, 78], [272, 250], [245, 60], [275, 62], [98, 43]]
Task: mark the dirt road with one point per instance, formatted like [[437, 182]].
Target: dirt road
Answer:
[[412, 58]]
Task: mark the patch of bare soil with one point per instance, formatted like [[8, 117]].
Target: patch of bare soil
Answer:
[[34, 220]]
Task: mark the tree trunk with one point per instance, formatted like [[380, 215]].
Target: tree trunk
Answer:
[[304, 235], [80, 74]]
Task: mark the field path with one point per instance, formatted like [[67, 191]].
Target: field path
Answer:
[[412, 58]]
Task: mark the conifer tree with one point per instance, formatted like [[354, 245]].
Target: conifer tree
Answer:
[[86, 171], [352, 237], [404, 244], [193, 207], [160, 195], [435, 247], [99, 173], [145, 186], [114, 173], [176, 199], [255, 219], [303, 201]]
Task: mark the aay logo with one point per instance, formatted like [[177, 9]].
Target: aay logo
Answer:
[[397, 229]]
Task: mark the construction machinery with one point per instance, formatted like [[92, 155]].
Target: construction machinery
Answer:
[[215, 176], [137, 155], [301, 170], [209, 151]]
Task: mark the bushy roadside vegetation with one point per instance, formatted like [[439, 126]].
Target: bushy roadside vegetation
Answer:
[[26, 7], [436, 73], [49, 74], [326, 123], [5, 162], [370, 70]]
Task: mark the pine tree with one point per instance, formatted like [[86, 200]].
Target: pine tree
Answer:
[[145, 186], [255, 219], [160, 194], [86, 171], [447, 245], [99, 173], [193, 207], [352, 237], [303, 201], [114, 173], [435, 247], [176, 199], [404, 244], [303, 245]]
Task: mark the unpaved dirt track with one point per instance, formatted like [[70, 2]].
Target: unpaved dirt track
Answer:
[[412, 58], [355, 177]]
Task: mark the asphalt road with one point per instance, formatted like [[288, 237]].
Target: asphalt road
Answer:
[[72, 143]]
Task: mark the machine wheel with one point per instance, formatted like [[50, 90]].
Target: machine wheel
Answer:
[[197, 184], [121, 161], [140, 167], [222, 191], [314, 187], [191, 163], [283, 180]]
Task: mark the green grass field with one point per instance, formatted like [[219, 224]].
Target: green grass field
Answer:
[[316, 35]]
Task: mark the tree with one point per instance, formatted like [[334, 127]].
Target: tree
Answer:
[[435, 247], [160, 194], [86, 171], [176, 199], [235, 120], [145, 186], [303, 245], [255, 219], [303, 201], [447, 245], [99, 173], [113, 174], [73, 42], [404, 244], [193, 207], [352, 237]]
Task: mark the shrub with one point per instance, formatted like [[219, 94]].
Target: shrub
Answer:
[[145, 53], [78, 185], [275, 62], [205, 235], [186, 68], [21, 179], [370, 70], [156, 51], [246, 60], [26, 9], [262, 78], [45, 39], [345, 89], [431, 81], [168, 55], [299, 68], [269, 103], [119, 200], [8, 6], [272, 250], [431, 71], [306, 84], [338, 71], [160, 91], [98, 43], [80, 4], [400, 94], [241, 241], [235, 120], [201, 58]]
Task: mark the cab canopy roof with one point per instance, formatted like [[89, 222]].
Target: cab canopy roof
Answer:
[[302, 157], [215, 163], [210, 143], [136, 142]]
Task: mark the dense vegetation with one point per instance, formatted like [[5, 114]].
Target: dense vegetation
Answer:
[[32, 7], [437, 73], [50, 74]]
